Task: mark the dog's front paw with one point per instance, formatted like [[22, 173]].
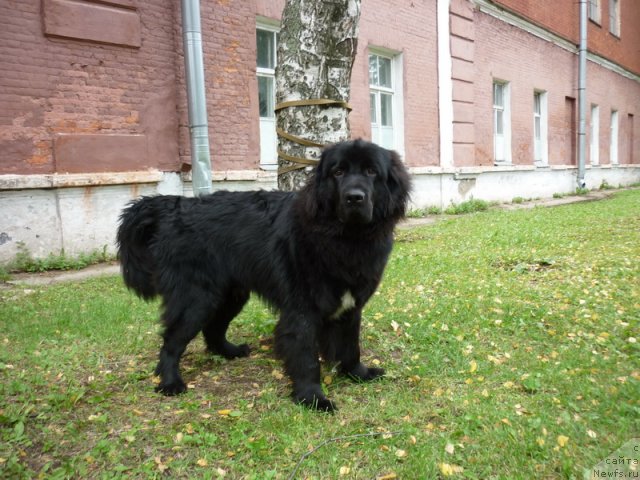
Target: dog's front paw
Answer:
[[360, 373], [314, 399], [170, 389], [232, 351]]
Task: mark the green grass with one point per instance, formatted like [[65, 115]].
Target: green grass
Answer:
[[470, 206], [423, 212], [507, 338], [25, 262]]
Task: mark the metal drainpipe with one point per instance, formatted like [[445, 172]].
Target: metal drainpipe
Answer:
[[197, 102], [582, 94]]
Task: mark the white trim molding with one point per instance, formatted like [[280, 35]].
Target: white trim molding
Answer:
[[68, 180]]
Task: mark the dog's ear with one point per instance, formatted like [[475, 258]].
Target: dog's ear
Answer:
[[399, 185], [317, 195]]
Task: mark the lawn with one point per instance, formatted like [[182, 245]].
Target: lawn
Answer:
[[509, 339]]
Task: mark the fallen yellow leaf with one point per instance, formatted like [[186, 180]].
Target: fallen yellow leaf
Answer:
[[562, 440], [388, 476], [447, 469], [473, 366], [202, 462]]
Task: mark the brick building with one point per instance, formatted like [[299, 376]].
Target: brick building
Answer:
[[479, 96]]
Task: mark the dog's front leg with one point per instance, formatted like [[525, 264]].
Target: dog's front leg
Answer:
[[297, 345], [344, 344]]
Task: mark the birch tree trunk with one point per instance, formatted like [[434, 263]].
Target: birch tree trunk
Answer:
[[316, 49]]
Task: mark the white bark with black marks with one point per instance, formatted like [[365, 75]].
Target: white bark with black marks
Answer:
[[316, 50]]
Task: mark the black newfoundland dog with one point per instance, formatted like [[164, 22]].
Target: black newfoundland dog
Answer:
[[316, 255]]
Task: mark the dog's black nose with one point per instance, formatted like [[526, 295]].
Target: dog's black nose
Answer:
[[355, 196]]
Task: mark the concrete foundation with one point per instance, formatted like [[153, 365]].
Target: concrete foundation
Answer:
[[63, 216]]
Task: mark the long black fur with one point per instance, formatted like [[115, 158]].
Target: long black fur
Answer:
[[306, 253]]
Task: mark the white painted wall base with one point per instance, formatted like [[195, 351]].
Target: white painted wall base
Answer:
[[80, 218], [444, 187]]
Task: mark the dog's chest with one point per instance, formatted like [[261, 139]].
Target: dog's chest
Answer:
[[347, 302]]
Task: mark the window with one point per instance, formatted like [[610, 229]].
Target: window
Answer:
[[594, 10], [613, 147], [614, 17], [385, 96], [595, 135], [501, 123], [540, 128], [266, 60]]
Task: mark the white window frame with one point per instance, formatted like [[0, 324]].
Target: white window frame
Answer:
[[397, 103], [593, 9], [541, 144], [614, 17], [502, 142], [594, 152], [268, 137], [614, 136]]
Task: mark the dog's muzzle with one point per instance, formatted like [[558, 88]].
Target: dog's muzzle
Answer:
[[355, 206]]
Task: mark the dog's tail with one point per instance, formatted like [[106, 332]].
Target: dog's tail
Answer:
[[138, 225]]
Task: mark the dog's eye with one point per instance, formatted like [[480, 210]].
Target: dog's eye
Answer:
[[338, 172], [371, 172]]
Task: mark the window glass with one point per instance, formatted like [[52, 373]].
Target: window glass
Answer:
[[498, 97], [499, 122], [373, 70], [614, 17], [384, 72], [386, 106], [265, 96], [373, 108], [266, 49]]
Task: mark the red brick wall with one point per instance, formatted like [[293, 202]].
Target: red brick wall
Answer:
[[54, 86], [562, 17], [409, 28], [527, 62], [229, 47], [54, 89]]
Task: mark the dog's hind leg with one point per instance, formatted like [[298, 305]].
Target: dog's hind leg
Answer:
[[183, 320], [218, 321]]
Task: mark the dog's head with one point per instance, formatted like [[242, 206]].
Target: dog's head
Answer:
[[359, 183]]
